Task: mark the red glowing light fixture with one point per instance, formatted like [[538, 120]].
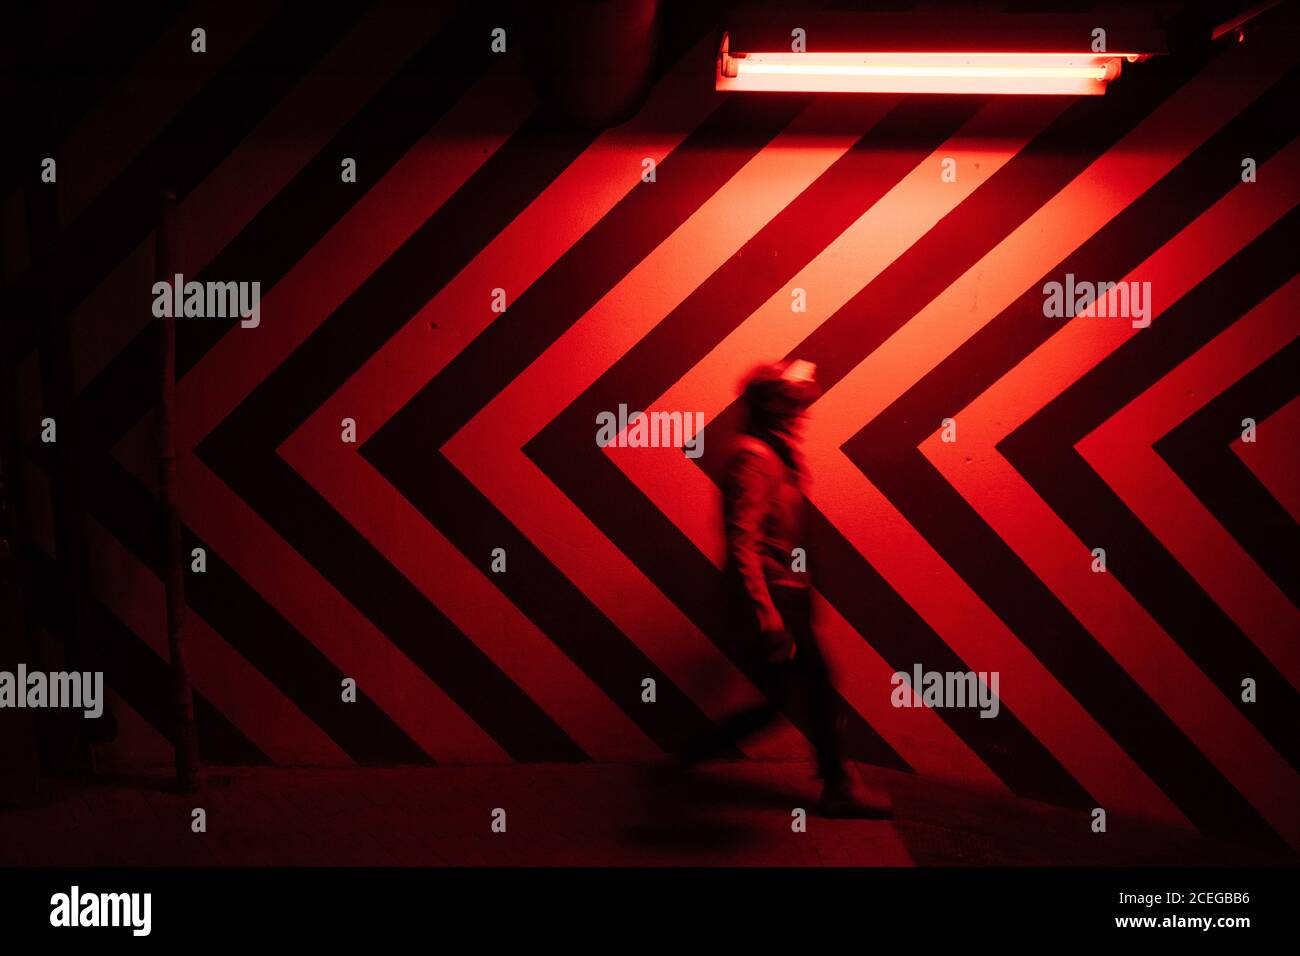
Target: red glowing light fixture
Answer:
[[1040, 73], [866, 54]]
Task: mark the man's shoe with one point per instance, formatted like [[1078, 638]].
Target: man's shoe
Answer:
[[850, 797]]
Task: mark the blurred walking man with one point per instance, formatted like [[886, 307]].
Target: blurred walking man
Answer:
[[769, 606]]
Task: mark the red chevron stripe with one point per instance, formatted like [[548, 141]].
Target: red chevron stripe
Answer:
[[257, 707], [1006, 501], [269, 158], [868, 519], [315, 608], [394, 208], [1121, 452], [134, 594], [352, 568], [571, 205], [250, 177], [391, 211], [685, 493], [1274, 459], [488, 448], [136, 109]]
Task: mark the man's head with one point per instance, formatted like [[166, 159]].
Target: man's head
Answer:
[[778, 394]]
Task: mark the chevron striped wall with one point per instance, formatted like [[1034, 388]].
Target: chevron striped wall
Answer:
[[372, 560]]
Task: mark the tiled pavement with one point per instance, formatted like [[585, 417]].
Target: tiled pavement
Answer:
[[565, 814]]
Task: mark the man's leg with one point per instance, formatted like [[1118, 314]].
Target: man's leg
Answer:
[[809, 678], [743, 724], [844, 793]]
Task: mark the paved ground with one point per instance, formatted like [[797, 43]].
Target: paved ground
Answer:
[[565, 814]]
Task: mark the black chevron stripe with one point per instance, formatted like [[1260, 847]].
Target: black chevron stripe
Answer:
[[1199, 451], [1042, 449], [422, 90], [55, 88], [959, 241], [243, 449], [188, 150], [253, 627], [629, 232], [962, 239], [141, 678], [283, 232], [273, 242], [565, 450], [975, 550]]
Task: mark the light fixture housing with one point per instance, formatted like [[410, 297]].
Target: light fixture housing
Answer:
[[872, 53]]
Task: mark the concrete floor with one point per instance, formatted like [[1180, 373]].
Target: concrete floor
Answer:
[[567, 814]]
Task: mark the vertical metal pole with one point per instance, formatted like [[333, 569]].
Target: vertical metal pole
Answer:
[[185, 738], [68, 737], [19, 752]]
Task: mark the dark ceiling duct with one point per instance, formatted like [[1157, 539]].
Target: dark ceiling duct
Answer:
[[591, 61]]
